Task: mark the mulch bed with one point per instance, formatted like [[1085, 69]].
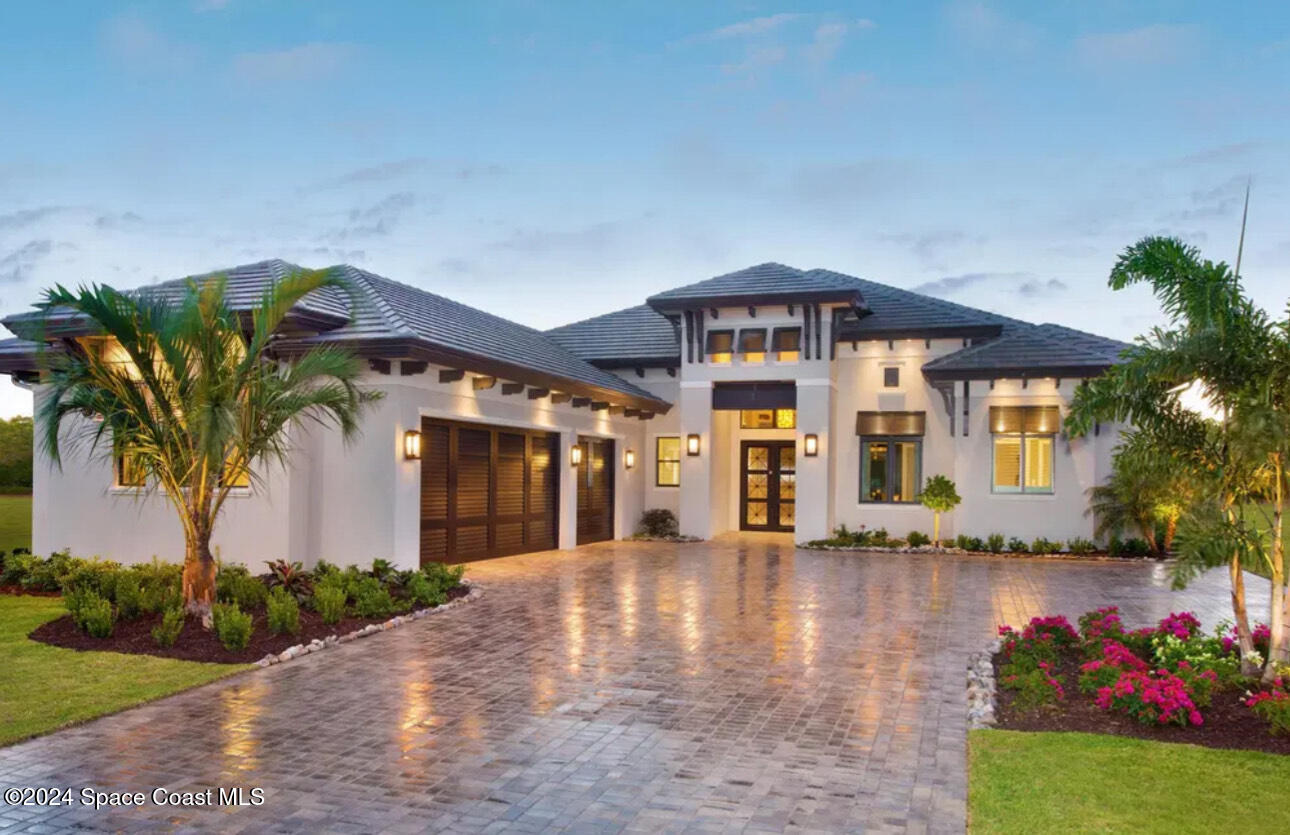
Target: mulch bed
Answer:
[[1228, 722], [198, 644], [18, 591]]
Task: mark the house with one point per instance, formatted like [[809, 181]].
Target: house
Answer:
[[767, 399]]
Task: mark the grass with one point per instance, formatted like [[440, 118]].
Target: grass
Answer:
[[1071, 782], [15, 522], [44, 688]]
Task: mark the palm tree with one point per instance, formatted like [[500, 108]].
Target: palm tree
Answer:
[[1216, 337], [192, 394], [1149, 489]]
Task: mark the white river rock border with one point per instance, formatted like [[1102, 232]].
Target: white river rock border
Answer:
[[981, 687], [319, 644]]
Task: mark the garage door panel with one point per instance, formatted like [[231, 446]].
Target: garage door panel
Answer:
[[486, 491]]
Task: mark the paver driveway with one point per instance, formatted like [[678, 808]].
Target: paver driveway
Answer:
[[729, 685]]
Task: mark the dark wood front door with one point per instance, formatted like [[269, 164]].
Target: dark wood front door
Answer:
[[595, 490], [486, 491], [768, 486]]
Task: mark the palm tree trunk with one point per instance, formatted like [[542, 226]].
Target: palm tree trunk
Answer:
[[1244, 638], [199, 575], [1278, 651], [1171, 528]]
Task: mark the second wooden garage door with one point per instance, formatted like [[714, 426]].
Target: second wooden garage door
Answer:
[[595, 490], [486, 491]]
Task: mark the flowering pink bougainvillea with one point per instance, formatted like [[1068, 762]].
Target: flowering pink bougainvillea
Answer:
[[1182, 625], [1158, 697], [1273, 706], [1261, 634], [1102, 623]]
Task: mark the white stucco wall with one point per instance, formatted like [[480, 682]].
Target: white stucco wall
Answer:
[[347, 503]]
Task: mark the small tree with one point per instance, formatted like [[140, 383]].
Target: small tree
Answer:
[[939, 496]]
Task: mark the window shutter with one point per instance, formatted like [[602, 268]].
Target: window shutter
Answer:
[[720, 342], [787, 339], [752, 341]]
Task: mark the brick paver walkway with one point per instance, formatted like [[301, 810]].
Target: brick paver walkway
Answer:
[[735, 685]]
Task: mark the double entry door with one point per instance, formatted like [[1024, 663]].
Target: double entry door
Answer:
[[768, 486]]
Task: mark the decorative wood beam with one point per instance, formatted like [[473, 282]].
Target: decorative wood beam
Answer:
[[640, 372], [410, 367], [581, 402], [790, 310], [752, 312], [561, 397], [671, 372], [599, 405], [891, 344], [713, 311], [538, 394], [967, 399], [482, 383], [615, 410], [631, 412], [451, 375], [946, 389], [379, 366], [645, 415], [512, 388]]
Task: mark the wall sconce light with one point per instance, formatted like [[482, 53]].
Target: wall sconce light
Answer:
[[691, 444], [629, 459], [412, 445], [575, 455], [811, 446]]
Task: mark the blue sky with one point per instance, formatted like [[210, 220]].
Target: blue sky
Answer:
[[548, 162]]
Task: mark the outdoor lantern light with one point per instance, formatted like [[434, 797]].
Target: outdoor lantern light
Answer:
[[811, 445], [412, 445], [692, 444], [575, 455], [629, 459]]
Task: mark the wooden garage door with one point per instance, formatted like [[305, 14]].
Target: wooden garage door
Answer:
[[486, 491], [595, 490]]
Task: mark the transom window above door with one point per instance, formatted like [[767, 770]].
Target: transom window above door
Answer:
[[768, 419]]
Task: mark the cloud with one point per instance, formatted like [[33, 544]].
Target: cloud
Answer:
[[380, 218], [826, 43], [1159, 43], [855, 184], [597, 237], [17, 265], [1041, 289], [113, 220], [931, 247], [307, 62], [979, 25], [951, 284], [1220, 200], [756, 59], [26, 217], [751, 28], [137, 44]]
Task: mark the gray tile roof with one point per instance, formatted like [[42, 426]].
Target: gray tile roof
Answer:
[[894, 311], [764, 283], [635, 335], [1050, 349], [389, 316]]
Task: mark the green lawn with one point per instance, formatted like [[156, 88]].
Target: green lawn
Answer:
[[43, 688], [1068, 782], [15, 522]]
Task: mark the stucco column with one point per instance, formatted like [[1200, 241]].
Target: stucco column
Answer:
[[696, 470], [568, 491], [814, 473]]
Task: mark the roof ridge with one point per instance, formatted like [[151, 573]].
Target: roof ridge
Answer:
[[382, 305]]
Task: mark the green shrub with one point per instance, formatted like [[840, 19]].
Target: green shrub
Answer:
[[284, 612], [76, 601], [129, 598], [92, 613], [1131, 547], [234, 584], [232, 625], [1017, 545], [172, 624], [292, 577], [1080, 545], [383, 570], [961, 542], [156, 596], [329, 602], [994, 543], [423, 591], [1045, 546], [917, 539], [1038, 688], [372, 599], [658, 522], [99, 575], [879, 538]]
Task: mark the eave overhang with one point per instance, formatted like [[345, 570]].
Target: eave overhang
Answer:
[[1028, 372], [674, 305], [421, 350]]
